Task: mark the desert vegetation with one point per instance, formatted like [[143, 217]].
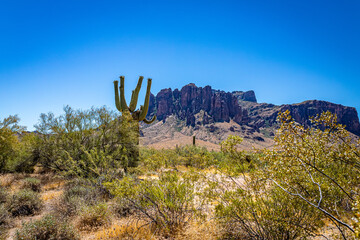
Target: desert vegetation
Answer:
[[83, 175]]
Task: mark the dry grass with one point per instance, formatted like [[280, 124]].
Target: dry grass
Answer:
[[54, 185], [149, 177], [6, 180], [208, 230], [50, 195], [128, 229], [13, 182], [93, 217], [131, 229]]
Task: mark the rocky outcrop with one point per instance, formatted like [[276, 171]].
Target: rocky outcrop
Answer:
[[264, 115], [197, 105], [219, 106], [245, 96]]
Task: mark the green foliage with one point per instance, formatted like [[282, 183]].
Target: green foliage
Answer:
[[89, 144], [33, 184], [26, 154], [12, 123], [129, 141], [16, 147], [24, 202], [131, 118], [47, 228], [235, 161], [356, 223], [193, 156], [9, 142], [167, 204], [319, 164], [258, 211], [75, 197], [94, 216], [229, 146], [190, 156]]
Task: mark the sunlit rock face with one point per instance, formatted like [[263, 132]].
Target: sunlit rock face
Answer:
[[218, 106]]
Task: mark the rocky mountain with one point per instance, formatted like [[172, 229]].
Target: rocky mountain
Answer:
[[212, 115]]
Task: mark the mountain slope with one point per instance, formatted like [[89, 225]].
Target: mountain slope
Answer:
[[212, 115]]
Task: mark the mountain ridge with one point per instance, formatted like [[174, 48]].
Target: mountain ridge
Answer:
[[205, 112]]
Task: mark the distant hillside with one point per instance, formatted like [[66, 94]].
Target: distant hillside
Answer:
[[212, 115]]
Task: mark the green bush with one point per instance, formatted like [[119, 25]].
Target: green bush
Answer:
[[261, 211], [122, 208], [9, 142], [27, 156], [90, 144], [189, 155], [94, 216], [356, 223], [33, 184], [318, 164], [236, 161], [193, 156], [47, 228], [75, 197], [167, 204], [24, 202]]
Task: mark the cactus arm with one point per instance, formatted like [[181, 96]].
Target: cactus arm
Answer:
[[135, 95], [144, 110], [117, 99], [149, 121], [122, 94]]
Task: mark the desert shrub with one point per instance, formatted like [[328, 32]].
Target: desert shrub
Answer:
[[167, 204], [95, 143], [3, 195], [261, 211], [194, 156], [131, 230], [9, 142], [319, 164], [24, 202], [27, 156], [46, 228], [4, 222], [236, 161], [94, 216], [230, 146], [4, 216], [356, 223], [76, 196], [32, 184], [122, 208], [189, 155], [16, 146], [153, 160]]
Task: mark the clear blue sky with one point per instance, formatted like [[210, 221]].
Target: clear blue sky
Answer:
[[54, 53]]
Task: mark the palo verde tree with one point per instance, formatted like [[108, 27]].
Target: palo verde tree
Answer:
[[9, 142], [136, 115], [318, 164]]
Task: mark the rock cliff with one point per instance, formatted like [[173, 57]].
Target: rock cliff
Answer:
[[218, 106], [198, 106]]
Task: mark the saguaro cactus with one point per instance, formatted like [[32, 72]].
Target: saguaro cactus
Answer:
[[136, 115]]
